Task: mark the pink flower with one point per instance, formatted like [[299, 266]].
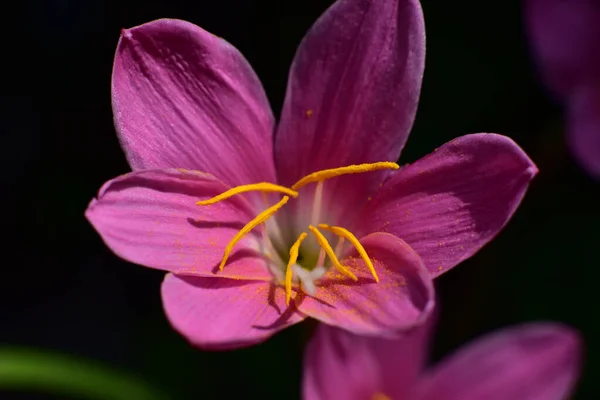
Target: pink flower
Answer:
[[565, 37], [254, 255], [537, 361]]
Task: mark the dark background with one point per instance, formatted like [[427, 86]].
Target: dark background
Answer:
[[62, 289]]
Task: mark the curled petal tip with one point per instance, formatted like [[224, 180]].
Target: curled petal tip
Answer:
[[532, 171], [125, 33]]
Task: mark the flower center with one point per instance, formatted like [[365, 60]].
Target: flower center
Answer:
[[305, 276]]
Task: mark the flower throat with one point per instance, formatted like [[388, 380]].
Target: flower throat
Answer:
[[315, 227]]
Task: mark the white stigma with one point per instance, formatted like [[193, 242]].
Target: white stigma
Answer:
[[307, 278]]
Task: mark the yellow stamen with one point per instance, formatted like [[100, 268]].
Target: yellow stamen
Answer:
[[260, 218], [262, 187], [334, 260], [344, 233], [326, 249], [350, 169], [288, 272]]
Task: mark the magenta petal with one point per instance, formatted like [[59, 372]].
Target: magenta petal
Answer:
[[565, 36], [401, 300], [584, 127], [183, 98], [151, 218], [219, 313], [341, 365], [450, 203], [353, 89], [529, 362]]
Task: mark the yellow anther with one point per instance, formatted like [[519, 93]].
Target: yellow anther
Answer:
[[260, 218], [334, 260], [345, 233], [350, 169], [254, 187], [288, 271]]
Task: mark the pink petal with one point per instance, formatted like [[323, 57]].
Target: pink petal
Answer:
[[584, 127], [353, 90], [341, 365], [183, 98], [401, 300], [529, 362], [219, 313], [151, 218], [565, 36], [449, 204]]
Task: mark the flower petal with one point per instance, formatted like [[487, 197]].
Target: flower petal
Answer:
[[402, 299], [449, 204], [151, 218], [565, 36], [220, 313], [341, 365], [183, 98], [528, 362], [584, 127], [352, 91]]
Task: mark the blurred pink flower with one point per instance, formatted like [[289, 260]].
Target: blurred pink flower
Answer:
[[565, 38], [196, 126], [537, 361]]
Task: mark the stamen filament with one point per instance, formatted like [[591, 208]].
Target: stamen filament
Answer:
[[262, 187], [339, 245], [288, 271], [260, 218], [325, 245], [321, 258], [350, 169], [317, 201], [271, 249], [344, 233]]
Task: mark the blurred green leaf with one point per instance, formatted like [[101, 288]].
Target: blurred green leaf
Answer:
[[38, 370]]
